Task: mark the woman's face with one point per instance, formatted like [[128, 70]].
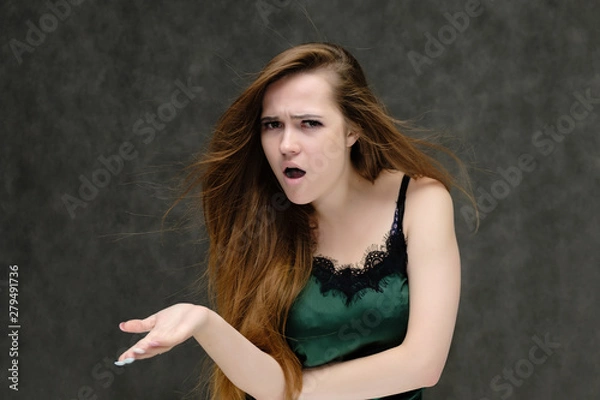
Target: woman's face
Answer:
[[305, 137]]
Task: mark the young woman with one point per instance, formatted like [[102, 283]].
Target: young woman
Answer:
[[333, 257]]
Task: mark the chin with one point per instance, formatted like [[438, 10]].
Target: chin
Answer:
[[299, 200]]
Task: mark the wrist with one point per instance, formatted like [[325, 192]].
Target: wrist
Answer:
[[202, 317]]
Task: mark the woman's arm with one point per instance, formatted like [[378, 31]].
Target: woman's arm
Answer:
[[246, 366], [249, 368], [434, 290]]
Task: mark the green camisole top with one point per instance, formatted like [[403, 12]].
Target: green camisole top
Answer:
[[346, 313]]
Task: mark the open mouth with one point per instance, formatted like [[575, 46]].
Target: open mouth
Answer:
[[294, 173]]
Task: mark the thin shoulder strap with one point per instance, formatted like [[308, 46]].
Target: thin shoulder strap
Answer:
[[402, 199], [399, 214]]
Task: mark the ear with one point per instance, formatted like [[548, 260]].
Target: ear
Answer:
[[351, 137]]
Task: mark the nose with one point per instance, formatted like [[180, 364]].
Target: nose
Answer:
[[289, 142]]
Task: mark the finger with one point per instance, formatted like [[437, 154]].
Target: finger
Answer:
[[134, 354], [143, 349], [138, 325]]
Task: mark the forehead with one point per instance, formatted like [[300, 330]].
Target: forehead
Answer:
[[300, 91]]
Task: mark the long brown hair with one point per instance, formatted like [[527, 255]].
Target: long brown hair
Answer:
[[261, 246]]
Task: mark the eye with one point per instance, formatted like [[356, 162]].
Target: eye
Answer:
[[311, 123], [269, 125]]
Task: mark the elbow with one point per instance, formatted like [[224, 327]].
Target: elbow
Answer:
[[431, 373], [430, 379]]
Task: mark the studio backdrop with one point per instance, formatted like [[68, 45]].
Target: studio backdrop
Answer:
[[104, 102]]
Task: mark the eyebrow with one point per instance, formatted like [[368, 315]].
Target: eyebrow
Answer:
[[302, 116]]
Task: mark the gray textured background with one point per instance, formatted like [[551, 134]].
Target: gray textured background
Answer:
[[74, 96]]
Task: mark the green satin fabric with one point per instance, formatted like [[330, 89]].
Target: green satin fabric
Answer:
[[322, 328]]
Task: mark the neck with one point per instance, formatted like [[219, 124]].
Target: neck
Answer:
[[335, 211]]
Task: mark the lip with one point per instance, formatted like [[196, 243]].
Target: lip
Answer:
[[289, 164], [291, 181]]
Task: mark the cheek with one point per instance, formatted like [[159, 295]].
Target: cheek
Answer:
[[333, 149], [264, 144], [268, 148]]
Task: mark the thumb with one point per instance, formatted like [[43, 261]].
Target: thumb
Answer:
[[138, 325]]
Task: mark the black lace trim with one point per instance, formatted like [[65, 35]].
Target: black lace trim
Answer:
[[352, 282]]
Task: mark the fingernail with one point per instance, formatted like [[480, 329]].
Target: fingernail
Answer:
[[124, 362], [137, 350]]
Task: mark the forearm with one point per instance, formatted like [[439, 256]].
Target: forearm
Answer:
[[392, 371], [249, 368]]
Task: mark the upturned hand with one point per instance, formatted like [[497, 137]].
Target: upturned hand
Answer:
[[166, 329]]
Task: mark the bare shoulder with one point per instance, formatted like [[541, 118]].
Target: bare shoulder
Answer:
[[425, 186], [427, 202]]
